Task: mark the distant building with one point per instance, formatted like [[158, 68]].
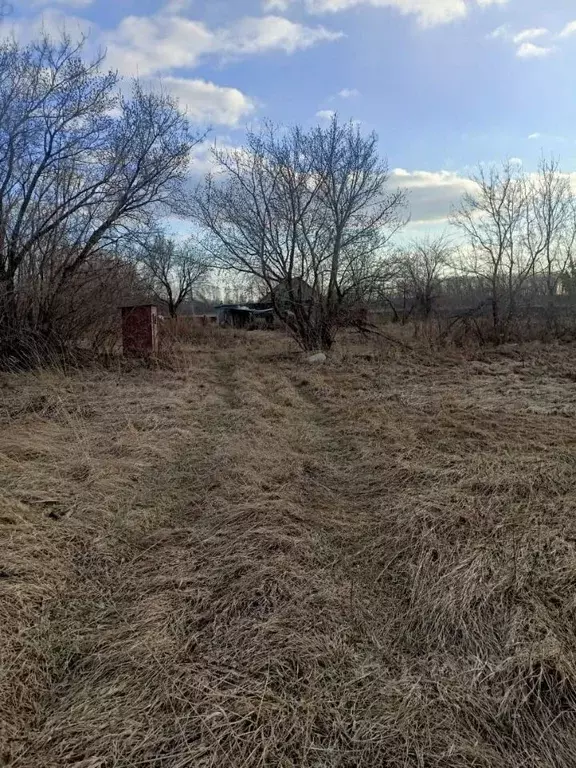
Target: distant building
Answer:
[[285, 296], [290, 292], [245, 315]]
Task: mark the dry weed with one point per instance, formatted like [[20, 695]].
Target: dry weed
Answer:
[[239, 559]]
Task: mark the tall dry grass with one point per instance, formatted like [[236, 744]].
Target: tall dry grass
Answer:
[[239, 559]]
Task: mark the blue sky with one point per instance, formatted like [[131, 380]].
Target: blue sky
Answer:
[[445, 83]]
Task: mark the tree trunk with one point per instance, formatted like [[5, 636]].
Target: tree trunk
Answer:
[[8, 304], [326, 336], [495, 313]]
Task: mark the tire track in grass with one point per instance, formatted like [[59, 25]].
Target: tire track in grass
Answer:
[[214, 640]]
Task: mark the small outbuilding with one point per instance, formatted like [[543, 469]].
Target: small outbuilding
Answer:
[[140, 330]]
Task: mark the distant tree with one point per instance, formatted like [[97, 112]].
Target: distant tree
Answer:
[[550, 230], [519, 238], [172, 270], [305, 210], [492, 220], [420, 272], [80, 166]]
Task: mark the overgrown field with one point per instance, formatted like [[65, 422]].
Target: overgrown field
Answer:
[[240, 559]]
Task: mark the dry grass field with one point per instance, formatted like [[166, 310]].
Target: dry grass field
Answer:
[[237, 559]]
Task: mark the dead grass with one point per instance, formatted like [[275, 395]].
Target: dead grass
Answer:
[[236, 559]]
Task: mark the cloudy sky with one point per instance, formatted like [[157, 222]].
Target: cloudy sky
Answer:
[[445, 83]]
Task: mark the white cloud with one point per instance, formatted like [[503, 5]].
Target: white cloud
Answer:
[[500, 33], [276, 5], [205, 102], [348, 93], [569, 29], [325, 114], [267, 33], [201, 158], [161, 44], [431, 194], [531, 51], [147, 45], [517, 161], [51, 21], [547, 137], [530, 34], [505, 33], [153, 46], [428, 12], [525, 48]]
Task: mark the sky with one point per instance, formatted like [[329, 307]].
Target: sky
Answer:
[[446, 84]]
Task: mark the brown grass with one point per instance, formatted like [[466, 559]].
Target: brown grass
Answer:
[[238, 559]]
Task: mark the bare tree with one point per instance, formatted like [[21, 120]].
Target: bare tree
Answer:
[[308, 214], [172, 270], [520, 235], [80, 165], [420, 272], [550, 230], [493, 222]]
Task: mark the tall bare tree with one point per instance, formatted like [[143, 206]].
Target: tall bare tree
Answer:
[[308, 214], [492, 221], [80, 165], [172, 270], [520, 234], [550, 229]]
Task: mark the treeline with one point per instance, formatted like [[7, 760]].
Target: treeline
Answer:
[[508, 270], [90, 168]]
